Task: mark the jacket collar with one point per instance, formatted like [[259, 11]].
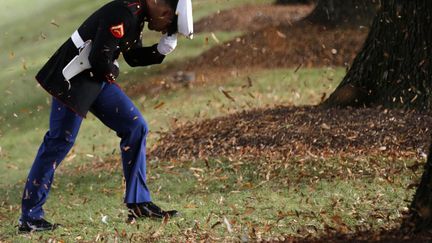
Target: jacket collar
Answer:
[[137, 7]]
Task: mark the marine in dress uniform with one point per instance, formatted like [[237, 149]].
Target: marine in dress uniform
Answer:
[[81, 77]]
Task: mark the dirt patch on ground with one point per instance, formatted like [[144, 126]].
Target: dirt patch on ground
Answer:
[[252, 17], [383, 236], [276, 38], [284, 46], [283, 133]]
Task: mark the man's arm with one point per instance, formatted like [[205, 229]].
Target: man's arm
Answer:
[[143, 56], [106, 46]]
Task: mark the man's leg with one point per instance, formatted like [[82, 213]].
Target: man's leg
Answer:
[[64, 126], [114, 108]]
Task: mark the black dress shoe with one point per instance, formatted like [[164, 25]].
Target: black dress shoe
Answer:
[[148, 210], [35, 225]]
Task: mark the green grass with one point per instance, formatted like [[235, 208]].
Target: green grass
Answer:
[[206, 193]]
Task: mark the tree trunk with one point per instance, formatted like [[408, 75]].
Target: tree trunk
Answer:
[[420, 217], [393, 69], [332, 13], [283, 2]]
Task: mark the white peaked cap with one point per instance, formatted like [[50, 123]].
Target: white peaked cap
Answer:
[[185, 18]]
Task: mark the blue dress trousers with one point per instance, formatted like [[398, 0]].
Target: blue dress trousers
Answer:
[[114, 108]]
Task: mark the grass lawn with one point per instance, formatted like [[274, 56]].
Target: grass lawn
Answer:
[[218, 200]]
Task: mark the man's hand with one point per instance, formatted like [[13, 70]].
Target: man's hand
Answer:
[[167, 44]]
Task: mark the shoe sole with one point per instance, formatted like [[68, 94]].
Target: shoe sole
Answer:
[[27, 231]]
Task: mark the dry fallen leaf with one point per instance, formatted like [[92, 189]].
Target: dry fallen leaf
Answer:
[[159, 105], [228, 225], [104, 219], [226, 93], [53, 22], [263, 134]]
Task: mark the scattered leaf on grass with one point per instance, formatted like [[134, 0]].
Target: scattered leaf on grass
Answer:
[[228, 225], [226, 93], [104, 219]]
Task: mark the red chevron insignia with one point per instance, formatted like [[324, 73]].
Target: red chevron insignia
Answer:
[[117, 31]]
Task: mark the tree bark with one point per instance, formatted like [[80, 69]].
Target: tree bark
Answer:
[[393, 69], [334, 13], [420, 216]]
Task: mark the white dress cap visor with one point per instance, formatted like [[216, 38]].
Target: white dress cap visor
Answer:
[[185, 19]]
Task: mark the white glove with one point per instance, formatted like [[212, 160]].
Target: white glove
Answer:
[[167, 44]]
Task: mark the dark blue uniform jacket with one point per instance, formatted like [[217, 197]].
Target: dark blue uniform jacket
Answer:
[[113, 29]]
